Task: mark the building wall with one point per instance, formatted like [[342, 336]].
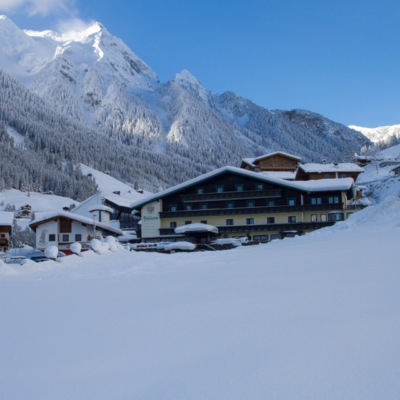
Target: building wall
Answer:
[[280, 160], [302, 176]]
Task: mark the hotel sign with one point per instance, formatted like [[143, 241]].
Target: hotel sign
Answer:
[[151, 222]]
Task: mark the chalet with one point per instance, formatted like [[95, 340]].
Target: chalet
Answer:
[[120, 213], [307, 172], [6, 224], [383, 160], [396, 170], [272, 162], [61, 229], [245, 203]]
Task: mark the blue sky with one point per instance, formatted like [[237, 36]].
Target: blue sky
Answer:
[[338, 58]]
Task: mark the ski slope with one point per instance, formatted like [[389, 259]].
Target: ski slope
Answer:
[[313, 317]]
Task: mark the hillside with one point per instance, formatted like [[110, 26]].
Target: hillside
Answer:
[[381, 134], [94, 79]]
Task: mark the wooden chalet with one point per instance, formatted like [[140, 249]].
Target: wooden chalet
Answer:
[[242, 203], [6, 224], [277, 161], [307, 172]]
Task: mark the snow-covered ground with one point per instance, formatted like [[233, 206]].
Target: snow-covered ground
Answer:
[[108, 185], [313, 317]]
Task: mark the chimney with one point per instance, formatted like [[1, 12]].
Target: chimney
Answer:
[[324, 161]]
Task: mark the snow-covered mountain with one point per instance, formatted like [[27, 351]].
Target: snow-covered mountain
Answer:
[[379, 134], [95, 79]]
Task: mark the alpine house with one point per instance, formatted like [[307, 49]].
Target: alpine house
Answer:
[[245, 203]]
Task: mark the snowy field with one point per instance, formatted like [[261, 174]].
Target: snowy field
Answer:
[[314, 317]]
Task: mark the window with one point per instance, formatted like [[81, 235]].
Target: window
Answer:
[[52, 238], [3, 235], [173, 207], [323, 218], [230, 204], [239, 188], [314, 218], [291, 220], [275, 164], [200, 190], [203, 206], [78, 238], [333, 200], [204, 221], [270, 220], [259, 186], [276, 236], [316, 201], [327, 176], [251, 203], [271, 203], [65, 238], [288, 164], [229, 222], [260, 238], [291, 202], [265, 164], [172, 225], [249, 221], [336, 217], [343, 175], [188, 222], [219, 189], [188, 207]]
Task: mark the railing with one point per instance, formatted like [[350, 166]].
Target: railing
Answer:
[[262, 227], [251, 210], [249, 194]]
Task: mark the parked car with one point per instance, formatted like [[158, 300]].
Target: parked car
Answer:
[[38, 256], [16, 260]]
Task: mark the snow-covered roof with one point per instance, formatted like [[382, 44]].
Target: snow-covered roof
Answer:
[[287, 175], [321, 168], [197, 227], [100, 207], [74, 217], [251, 161], [304, 186], [275, 153], [126, 238], [6, 218]]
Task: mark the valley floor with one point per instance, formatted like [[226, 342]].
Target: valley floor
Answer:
[[314, 317]]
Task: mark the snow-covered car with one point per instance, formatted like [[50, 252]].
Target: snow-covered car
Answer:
[[16, 260], [39, 256]]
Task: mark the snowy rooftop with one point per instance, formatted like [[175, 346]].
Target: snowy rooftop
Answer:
[[342, 167], [101, 207], [74, 217], [6, 218], [251, 161], [287, 175], [197, 227], [304, 186]]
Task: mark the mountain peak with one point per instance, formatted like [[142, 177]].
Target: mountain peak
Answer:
[[185, 77]]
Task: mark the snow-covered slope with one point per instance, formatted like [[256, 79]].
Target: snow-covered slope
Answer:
[[312, 317], [381, 133], [95, 78], [109, 185]]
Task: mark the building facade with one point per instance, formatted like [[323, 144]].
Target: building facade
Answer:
[[307, 172], [274, 162], [6, 223], [245, 203]]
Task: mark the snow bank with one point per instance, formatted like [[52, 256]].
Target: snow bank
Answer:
[[76, 248], [51, 252], [95, 245]]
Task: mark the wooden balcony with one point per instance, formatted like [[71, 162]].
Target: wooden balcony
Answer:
[[247, 194], [211, 212]]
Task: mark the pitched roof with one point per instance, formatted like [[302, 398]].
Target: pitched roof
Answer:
[[6, 218], [251, 161], [321, 168], [75, 217], [304, 186]]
